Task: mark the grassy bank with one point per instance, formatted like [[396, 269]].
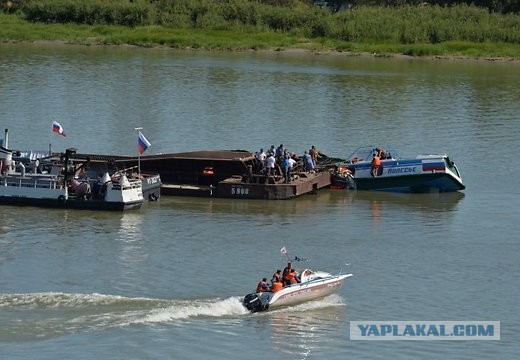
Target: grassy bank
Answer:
[[435, 31]]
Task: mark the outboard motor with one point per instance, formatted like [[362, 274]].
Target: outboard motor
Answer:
[[257, 302]]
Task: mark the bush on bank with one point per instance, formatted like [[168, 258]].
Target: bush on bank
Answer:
[[404, 24]]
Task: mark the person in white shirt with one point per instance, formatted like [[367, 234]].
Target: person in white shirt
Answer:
[[270, 163], [288, 164], [260, 160]]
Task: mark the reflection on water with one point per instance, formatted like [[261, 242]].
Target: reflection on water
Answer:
[[130, 227], [422, 202], [401, 209], [325, 198], [132, 250], [305, 204], [307, 329]]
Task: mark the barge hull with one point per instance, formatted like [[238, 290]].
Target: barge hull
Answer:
[[236, 188]]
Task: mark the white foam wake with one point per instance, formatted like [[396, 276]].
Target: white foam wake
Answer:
[[231, 306], [52, 314]]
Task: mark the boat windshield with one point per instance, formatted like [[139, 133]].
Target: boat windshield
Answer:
[[451, 165], [365, 153]]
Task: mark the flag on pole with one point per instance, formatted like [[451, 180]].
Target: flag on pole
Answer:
[[283, 251], [142, 143], [57, 128]]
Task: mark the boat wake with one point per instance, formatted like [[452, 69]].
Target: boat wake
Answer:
[[47, 315], [39, 316]]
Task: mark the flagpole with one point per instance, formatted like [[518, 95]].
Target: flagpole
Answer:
[[138, 129], [283, 251]]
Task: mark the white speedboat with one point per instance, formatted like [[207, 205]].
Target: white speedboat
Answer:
[[424, 173], [314, 285]]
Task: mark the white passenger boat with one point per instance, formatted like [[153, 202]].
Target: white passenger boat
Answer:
[[60, 186], [314, 285], [424, 173]]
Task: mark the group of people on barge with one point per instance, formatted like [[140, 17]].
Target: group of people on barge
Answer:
[[279, 280], [279, 161]]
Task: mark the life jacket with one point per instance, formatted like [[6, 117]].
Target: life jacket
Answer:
[[376, 161], [291, 278], [277, 286], [261, 286]]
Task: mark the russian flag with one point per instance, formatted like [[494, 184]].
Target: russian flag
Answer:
[[56, 127], [142, 143]]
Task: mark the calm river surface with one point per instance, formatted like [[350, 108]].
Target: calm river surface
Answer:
[[166, 281]]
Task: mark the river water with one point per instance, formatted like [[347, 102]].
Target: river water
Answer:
[[166, 281]]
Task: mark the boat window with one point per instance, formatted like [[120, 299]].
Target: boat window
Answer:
[[451, 165]]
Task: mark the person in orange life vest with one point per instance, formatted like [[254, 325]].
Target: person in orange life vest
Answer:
[[376, 164], [286, 271], [277, 286], [262, 286], [276, 277], [291, 278]]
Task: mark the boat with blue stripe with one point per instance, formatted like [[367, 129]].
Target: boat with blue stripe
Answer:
[[424, 173]]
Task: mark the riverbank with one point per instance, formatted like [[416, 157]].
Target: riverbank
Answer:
[[293, 51], [14, 29]]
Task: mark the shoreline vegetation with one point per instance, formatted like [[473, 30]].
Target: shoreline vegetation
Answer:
[[430, 31]]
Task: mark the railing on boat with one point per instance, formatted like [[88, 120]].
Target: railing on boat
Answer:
[[38, 182]]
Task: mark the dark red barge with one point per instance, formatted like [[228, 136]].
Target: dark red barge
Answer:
[[217, 173]]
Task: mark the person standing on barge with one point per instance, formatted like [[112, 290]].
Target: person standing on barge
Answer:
[[307, 161]]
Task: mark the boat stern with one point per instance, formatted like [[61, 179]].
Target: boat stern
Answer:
[[256, 302]]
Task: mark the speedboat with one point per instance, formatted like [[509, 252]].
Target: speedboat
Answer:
[[314, 285], [424, 173]]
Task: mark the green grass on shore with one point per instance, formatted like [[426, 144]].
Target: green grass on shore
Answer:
[[15, 29]]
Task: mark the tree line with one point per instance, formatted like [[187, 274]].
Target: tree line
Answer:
[[501, 6]]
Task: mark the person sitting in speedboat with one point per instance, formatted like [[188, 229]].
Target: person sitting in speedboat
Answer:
[[286, 272], [277, 276], [262, 286], [297, 277], [292, 277], [277, 286]]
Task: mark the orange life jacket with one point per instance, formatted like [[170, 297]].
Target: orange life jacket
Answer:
[[376, 161], [291, 278], [276, 276], [277, 286]]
